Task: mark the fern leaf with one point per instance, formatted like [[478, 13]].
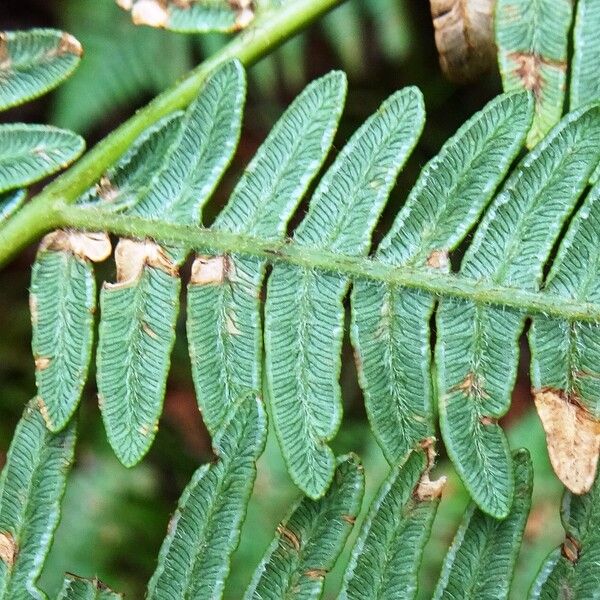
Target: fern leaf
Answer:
[[304, 309], [10, 202], [585, 82], [137, 328], [31, 487], [33, 62], [481, 560], [30, 152], [63, 302], [386, 556], [77, 588], [565, 355], [532, 39], [191, 16], [309, 541], [224, 322], [120, 187], [390, 325], [205, 529], [477, 350], [571, 571]]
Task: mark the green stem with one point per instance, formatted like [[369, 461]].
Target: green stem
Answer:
[[439, 284], [266, 33]]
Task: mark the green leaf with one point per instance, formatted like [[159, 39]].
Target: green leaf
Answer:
[[205, 529], [481, 560], [33, 62], [77, 588], [532, 40], [120, 187], [10, 202], [390, 324], [195, 16], [585, 81], [571, 571], [477, 345], [31, 488], [309, 541], [62, 302], [30, 152], [224, 322], [565, 355], [139, 312], [386, 557], [304, 309]]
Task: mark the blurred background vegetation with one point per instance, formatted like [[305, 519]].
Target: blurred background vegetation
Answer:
[[114, 519]]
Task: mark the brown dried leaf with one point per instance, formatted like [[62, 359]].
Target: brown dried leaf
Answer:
[[464, 36], [209, 270], [89, 246], [573, 438], [427, 490], [131, 256], [8, 548]]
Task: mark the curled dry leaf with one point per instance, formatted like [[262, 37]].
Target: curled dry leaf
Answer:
[[208, 270], [427, 490], [93, 246], [464, 36], [132, 255], [573, 438], [8, 548]]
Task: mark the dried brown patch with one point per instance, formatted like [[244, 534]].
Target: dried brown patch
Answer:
[[427, 490], [44, 412], [131, 256], [529, 69], [106, 190], [486, 421], [69, 45], [210, 270], [573, 438], [438, 259], [150, 12], [42, 363], [349, 519], [90, 246], [230, 324], [571, 548], [464, 36], [8, 548], [149, 331], [315, 573], [33, 309], [471, 386], [244, 13], [290, 536]]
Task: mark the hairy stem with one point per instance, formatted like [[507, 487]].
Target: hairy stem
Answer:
[[429, 281], [266, 33]]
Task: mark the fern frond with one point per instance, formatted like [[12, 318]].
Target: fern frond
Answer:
[[224, 317], [77, 588], [31, 488], [309, 541], [33, 62], [571, 571], [386, 557], [30, 152], [585, 83], [204, 531], [137, 329], [304, 312], [532, 39], [481, 560]]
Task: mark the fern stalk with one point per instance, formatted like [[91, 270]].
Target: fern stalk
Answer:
[[42, 213]]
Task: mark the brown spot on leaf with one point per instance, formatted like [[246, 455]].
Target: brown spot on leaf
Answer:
[[106, 190], [149, 331], [529, 69], [44, 412], [438, 259], [33, 309], [210, 270], [486, 421], [316, 573], [573, 438], [131, 256], [8, 548], [93, 246], [69, 45], [244, 13], [351, 519], [427, 490], [42, 363], [570, 549], [290, 536], [150, 12], [471, 386], [464, 37]]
